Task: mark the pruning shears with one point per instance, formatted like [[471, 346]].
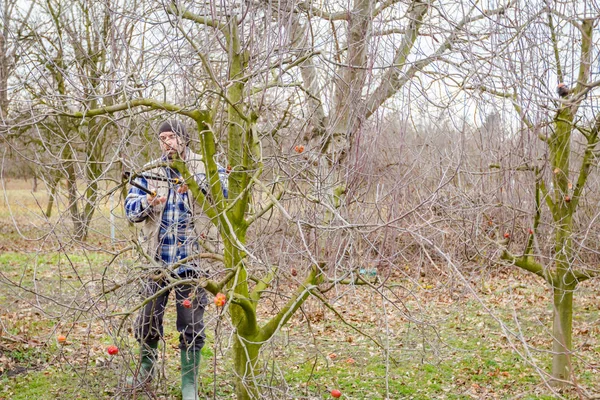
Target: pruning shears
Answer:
[[130, 178]]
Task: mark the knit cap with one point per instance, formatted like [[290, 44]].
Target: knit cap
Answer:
[[177, 128]]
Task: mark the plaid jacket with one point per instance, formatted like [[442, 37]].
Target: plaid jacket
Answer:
[[177, 234]]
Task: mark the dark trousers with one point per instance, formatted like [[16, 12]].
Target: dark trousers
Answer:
[[190, 321]]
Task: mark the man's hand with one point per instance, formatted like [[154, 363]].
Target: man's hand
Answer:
[[156, 200], [182, 189]]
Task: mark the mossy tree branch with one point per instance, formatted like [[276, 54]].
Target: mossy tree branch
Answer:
[[215, 287], [586, 163], [585, 274], [130, 104], [585, 63], [263, 284], [554, 40], [529, 264], [538, 213], [314, 277], [178, 11], [249, 310], [200, 198]]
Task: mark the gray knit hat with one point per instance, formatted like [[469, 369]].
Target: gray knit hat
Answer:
[[177, 128]]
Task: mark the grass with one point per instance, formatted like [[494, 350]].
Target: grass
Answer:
[[441, 339], [457, 352], [60, 382]]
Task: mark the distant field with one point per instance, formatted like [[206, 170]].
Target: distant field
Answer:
[[23, 220], [17, 197]]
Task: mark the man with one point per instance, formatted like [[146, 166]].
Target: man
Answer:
[[172, 225]]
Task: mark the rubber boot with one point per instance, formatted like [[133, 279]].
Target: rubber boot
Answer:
[[190, 365], [148, 356]]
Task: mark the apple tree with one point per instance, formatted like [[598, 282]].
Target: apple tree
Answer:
[[552, 88]]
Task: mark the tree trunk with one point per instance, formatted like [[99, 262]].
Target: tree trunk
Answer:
[[50, 204], [348, 102], [245, 353], [562, 333], [4, 62], [564, 284], [79, 226]]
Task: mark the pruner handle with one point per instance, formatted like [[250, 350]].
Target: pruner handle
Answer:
[[127, 176], [176, 181]]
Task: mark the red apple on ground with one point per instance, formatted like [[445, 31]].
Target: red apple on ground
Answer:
[[336, 393], [112, 350]]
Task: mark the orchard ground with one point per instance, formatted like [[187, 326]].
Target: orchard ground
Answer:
[[482, 334]]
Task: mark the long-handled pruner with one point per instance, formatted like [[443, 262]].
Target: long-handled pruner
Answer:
[[142, 188], [130, 178]]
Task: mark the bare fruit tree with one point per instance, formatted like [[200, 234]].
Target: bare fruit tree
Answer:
[[72, 64], [552, 87]]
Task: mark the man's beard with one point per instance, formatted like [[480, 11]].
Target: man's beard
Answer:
[[171, 152]]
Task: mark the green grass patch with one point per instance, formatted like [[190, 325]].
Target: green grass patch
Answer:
[[436, 346], [59, 382]]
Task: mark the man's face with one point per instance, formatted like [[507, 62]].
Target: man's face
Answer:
[[171, 144]]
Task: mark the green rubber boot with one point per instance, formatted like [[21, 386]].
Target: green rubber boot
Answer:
[[190, 365], [148, 356]]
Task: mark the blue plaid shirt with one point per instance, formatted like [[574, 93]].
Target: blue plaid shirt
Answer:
[[177, 238]]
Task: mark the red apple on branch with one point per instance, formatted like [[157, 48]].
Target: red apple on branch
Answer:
[[220, 300]]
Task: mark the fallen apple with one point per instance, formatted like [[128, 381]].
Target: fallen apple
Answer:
[[112, 350], [61, 339], [336, 393]]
